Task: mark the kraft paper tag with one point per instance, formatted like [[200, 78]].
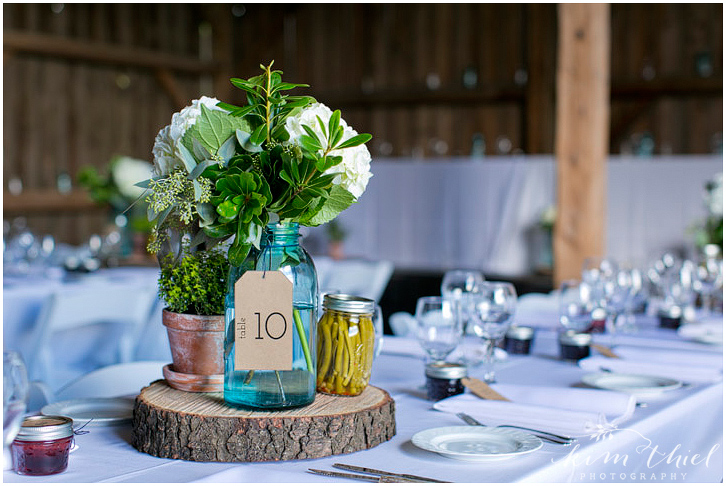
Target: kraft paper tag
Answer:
[[263, 322], [482, 390], [604, 350]]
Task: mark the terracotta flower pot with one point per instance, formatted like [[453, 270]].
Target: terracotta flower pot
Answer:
[[197, 344]]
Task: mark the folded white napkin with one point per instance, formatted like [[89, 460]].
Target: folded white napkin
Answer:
[[681, 371], [670, 356], [569, 411]]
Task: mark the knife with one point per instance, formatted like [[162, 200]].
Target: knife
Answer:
[[411, 477]]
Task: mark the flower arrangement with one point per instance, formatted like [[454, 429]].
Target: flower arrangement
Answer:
[[117, 188], [710, 231], [222, 172]]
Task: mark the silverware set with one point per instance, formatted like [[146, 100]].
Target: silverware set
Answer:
[[547, 436], [373, 475]]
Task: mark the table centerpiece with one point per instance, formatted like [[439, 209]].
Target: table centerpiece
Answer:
[[241, 180]]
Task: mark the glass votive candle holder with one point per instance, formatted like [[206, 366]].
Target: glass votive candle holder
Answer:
[[443, 380], [670, 317], [518, 340], [574, 346], [42, 445]]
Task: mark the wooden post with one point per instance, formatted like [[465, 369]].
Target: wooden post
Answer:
[[581, 138]]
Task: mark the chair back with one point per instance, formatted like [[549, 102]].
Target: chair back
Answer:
[[127, 305], [357, 277]]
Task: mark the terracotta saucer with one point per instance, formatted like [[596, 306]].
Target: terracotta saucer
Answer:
[[193, 383]]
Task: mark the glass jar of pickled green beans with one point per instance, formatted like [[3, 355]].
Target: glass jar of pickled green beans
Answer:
[[346, 340]]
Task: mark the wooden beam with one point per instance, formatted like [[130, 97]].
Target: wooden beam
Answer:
[[45, 201], [168, 83], [581, 137], [59, 46]]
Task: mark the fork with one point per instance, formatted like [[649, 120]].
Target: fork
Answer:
[[548, 436]]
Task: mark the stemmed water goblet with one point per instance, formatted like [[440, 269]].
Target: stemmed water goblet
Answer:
[[494, 307], [15, 395], [438, 329], [459, 286], [710, 276], [577, 305]]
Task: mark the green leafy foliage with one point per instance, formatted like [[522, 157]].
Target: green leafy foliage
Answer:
[[196, 283], [256, 176]]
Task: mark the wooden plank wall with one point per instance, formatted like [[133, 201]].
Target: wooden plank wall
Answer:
[[379, 63]]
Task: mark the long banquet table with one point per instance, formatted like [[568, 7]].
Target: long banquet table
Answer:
[[684, 428]]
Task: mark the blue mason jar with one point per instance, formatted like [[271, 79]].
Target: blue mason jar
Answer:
[[270, 389]]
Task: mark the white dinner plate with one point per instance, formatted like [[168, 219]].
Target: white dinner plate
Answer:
[[638, 385], [702, 333], [101, 411], [471, 443]]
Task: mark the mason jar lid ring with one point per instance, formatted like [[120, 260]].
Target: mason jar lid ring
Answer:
[[446, 371], [349, 303], [36, 428]]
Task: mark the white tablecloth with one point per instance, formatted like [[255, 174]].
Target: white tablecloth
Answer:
[[677, 437]]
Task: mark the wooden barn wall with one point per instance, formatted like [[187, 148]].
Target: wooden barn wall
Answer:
[[395, 70]]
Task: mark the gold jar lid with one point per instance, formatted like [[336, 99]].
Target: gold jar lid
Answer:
[[45, 427]]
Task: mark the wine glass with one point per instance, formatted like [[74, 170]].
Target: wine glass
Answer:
[[494, 307], [459, 286], [710, 275], [439, 331], [599, 273], [15, 396], [577, 305]]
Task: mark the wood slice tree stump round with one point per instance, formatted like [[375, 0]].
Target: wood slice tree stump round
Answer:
[[175, 424]]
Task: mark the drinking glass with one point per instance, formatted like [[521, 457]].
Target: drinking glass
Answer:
[[15, 396], [710, 275], [494, 307], [459, 286], [577, 304], [439, 331]]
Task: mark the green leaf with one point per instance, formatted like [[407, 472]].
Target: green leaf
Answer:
[[200, 168], [322, 126], [145, 184], [212, 128], [226, 151], [228, 209], [280, 133], [197, 190], [333, 124], [238, 252], [310, 144], [312, 134], [337, 137], [353, 141], [200, 151], [258, 136], [187, 158], [206, 212], [339, 200]]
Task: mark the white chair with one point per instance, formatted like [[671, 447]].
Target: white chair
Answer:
[[113, 381], [355, 277], [107, 311]]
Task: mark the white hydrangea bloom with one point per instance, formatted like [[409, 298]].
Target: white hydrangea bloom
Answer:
[[354, 170], [167, 155], [127, 172]]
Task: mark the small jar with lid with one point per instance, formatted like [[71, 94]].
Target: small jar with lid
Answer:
[[42, 445], [574, 346], [443, 380], [346, 340], [518, 340]]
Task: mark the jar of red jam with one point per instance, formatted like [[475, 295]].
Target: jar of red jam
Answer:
[[42, 445]]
